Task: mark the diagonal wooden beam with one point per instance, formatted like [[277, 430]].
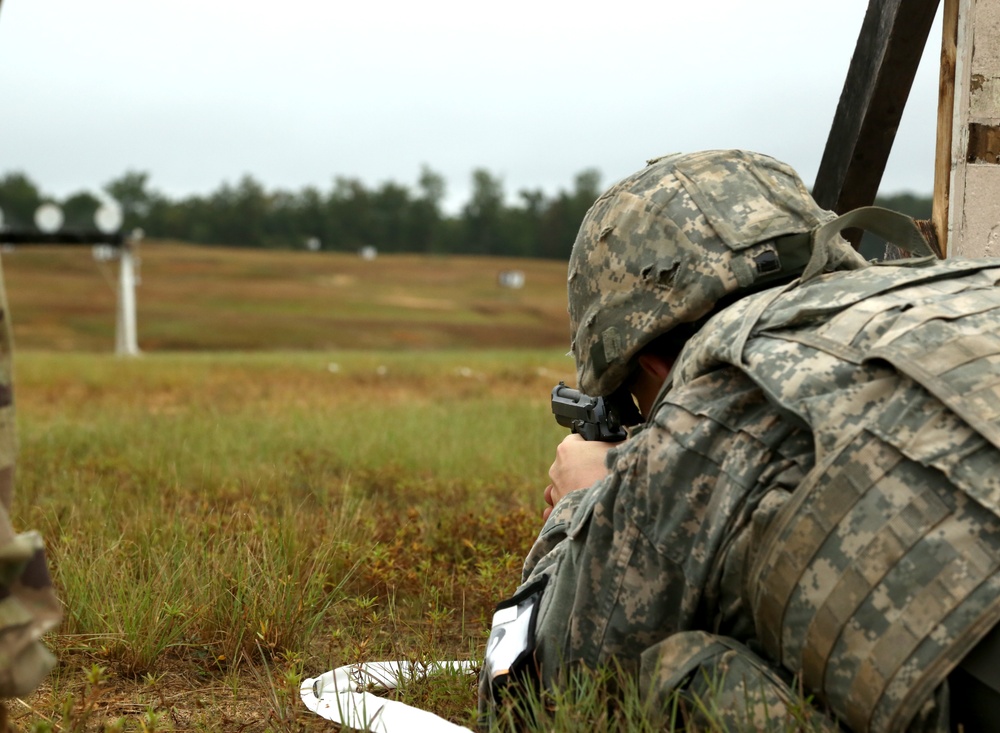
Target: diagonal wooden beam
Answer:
[[885, 61]]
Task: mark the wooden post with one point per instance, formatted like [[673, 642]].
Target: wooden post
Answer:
[[974, 204], [945, 124]]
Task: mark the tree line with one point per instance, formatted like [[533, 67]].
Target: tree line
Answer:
[[349, 215]]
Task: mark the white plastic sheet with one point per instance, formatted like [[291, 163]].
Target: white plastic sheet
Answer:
[[340, 695]]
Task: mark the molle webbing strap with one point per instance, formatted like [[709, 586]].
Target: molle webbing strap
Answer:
[[874, 616], [892, 226], [883, 569], [791, 543], [845, 327], [950, 347]]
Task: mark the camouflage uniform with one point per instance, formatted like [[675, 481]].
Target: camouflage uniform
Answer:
[[816, 492], [28, 606]]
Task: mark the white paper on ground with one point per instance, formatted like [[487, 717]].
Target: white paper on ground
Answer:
[[336, 695]]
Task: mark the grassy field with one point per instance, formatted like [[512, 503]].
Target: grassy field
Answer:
[[198, 298], [317, 460], [220, 521]]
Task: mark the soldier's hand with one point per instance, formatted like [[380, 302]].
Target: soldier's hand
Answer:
[[579, 464]]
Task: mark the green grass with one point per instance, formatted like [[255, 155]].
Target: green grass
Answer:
[[213, 519]]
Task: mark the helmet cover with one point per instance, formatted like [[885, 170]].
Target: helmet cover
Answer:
[[664, 245]]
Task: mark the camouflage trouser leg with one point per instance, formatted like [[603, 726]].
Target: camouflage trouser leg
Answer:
[[28, 608], [28, 605], [716, 683]]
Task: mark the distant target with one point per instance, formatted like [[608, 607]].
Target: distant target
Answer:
[[108, 218], [48, 218]]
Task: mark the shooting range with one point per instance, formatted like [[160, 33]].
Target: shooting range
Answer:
[[293, 478], [966, 219]]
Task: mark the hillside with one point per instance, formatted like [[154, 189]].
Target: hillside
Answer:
[[204, 298]]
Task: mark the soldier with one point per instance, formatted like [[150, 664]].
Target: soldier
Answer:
[[813, 496], [28, 605]]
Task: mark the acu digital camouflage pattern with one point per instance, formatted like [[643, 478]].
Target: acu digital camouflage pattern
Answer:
[[663, 245], [644, 554], [721, 684], [28, 606], [883, 570], [818, 482]]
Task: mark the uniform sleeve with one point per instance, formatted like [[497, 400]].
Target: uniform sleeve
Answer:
[[545, 547], [643, 554]]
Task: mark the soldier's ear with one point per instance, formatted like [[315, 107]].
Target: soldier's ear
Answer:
[[655, 366]]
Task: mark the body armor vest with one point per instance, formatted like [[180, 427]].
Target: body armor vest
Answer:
[[882, 570]]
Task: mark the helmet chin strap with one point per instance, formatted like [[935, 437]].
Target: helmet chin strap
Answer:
[[892, 226]]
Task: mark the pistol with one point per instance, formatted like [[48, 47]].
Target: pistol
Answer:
[[592, 418]]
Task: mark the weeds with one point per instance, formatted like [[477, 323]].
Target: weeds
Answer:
[[76, 713], [609, 699], [236, 522]]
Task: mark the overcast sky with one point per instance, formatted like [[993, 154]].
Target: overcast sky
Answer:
[[198, 92]]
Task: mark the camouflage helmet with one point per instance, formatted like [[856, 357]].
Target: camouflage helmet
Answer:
[[664, 245]]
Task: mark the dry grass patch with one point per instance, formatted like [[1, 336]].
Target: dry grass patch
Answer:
[[215, 299]]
